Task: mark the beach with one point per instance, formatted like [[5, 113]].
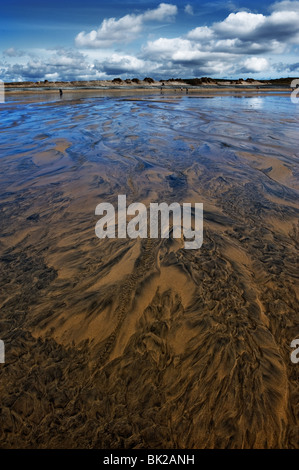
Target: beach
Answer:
[[141, 343]]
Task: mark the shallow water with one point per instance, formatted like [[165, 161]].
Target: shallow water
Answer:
[[141, 343]]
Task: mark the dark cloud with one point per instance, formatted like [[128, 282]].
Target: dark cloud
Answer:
[[59, 65], [293, 67], [12, 52]]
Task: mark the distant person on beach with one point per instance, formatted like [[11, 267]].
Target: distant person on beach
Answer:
[[60, 93], [187, 91]]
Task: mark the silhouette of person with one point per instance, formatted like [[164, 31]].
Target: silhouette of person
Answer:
[[60, 93]]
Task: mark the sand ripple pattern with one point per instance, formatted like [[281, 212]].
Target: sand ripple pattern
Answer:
[[141, 343]]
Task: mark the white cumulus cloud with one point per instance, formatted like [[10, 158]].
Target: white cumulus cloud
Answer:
[[164, 12], [200, 33], [256, 64], [125, 29], [239, 24], [118, 64]]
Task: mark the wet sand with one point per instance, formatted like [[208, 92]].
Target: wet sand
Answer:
[[141, 343]]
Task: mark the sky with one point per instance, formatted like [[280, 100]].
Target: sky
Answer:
[[97, 40]]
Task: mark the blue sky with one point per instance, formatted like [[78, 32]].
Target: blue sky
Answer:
[[92, 39]]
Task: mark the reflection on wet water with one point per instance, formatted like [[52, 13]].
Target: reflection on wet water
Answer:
[[141, 343]]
